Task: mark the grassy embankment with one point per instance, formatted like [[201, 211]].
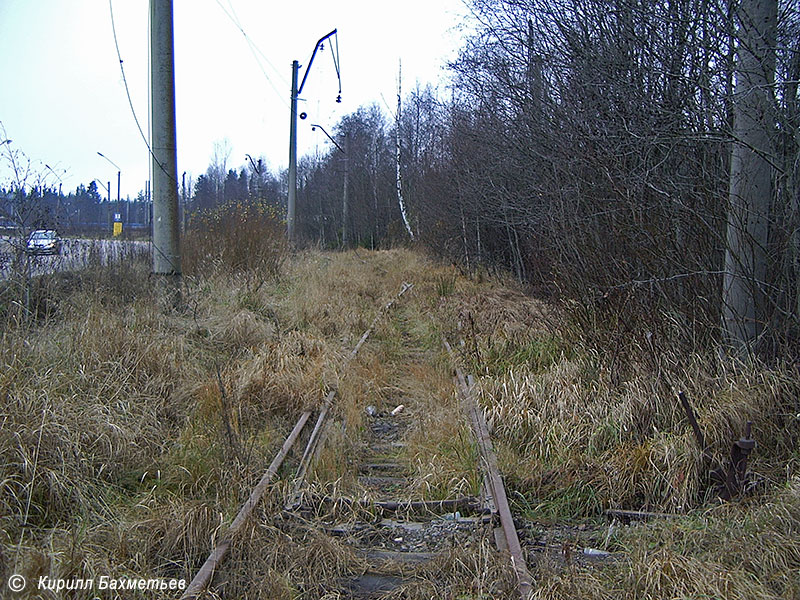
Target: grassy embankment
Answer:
[[129, 434]]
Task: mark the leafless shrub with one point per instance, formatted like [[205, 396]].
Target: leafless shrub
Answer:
[[237, 238]]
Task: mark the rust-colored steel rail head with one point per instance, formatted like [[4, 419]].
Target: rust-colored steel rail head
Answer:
[[466, 387]]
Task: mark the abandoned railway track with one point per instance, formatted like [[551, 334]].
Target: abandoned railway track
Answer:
[[375, 509]]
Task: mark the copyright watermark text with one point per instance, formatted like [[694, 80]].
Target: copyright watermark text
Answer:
[[17, 583]]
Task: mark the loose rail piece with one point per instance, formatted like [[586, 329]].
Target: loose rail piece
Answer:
[[198, 584], [497, 488], [316, 436], [206, 572]]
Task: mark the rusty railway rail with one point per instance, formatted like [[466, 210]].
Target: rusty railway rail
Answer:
[[317, 435], [206, 572], [507, 538], [209, 567], [491, 508]]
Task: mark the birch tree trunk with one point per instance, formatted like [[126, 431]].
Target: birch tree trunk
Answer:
[[750, 191], [397, 156]]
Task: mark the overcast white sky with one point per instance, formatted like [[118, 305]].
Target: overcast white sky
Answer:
[[62, 97]]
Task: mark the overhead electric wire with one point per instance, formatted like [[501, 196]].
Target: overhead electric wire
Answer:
[[128, 92], [238, 24], [335, 56], [255, 51], [136, 119]]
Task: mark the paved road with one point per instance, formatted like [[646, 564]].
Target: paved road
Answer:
[[75, 254]]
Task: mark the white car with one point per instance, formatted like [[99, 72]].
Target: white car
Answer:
[[43, 241]]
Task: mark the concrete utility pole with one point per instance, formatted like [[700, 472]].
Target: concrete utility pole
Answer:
[[119, 179], [346, 175], [183, 203], [292, 157], [344, 193], [743, 296], [296, 91], [166, 237]]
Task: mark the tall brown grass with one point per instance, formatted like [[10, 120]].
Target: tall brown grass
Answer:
[[242, 238], [129, 436], [586, 418], [114, 455]]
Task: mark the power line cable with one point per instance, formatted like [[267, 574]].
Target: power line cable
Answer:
[[255, 51], [335, 55], [128, 92], [136, 119], [254, 47], [233, 11]]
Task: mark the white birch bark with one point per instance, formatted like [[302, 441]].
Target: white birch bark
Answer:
[[397, 155]]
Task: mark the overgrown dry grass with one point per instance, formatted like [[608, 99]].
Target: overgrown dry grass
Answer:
[[581, 428], [130, 436], [627, 444], [737, 551]]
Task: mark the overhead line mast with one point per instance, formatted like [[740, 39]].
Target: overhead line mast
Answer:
[[296, 91], [166, 235]]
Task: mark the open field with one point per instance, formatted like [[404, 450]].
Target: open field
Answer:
[[130, 435]]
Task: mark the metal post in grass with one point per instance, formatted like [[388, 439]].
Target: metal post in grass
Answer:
[[296, 91], [166, 235], [292, 192], [119, 177]]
